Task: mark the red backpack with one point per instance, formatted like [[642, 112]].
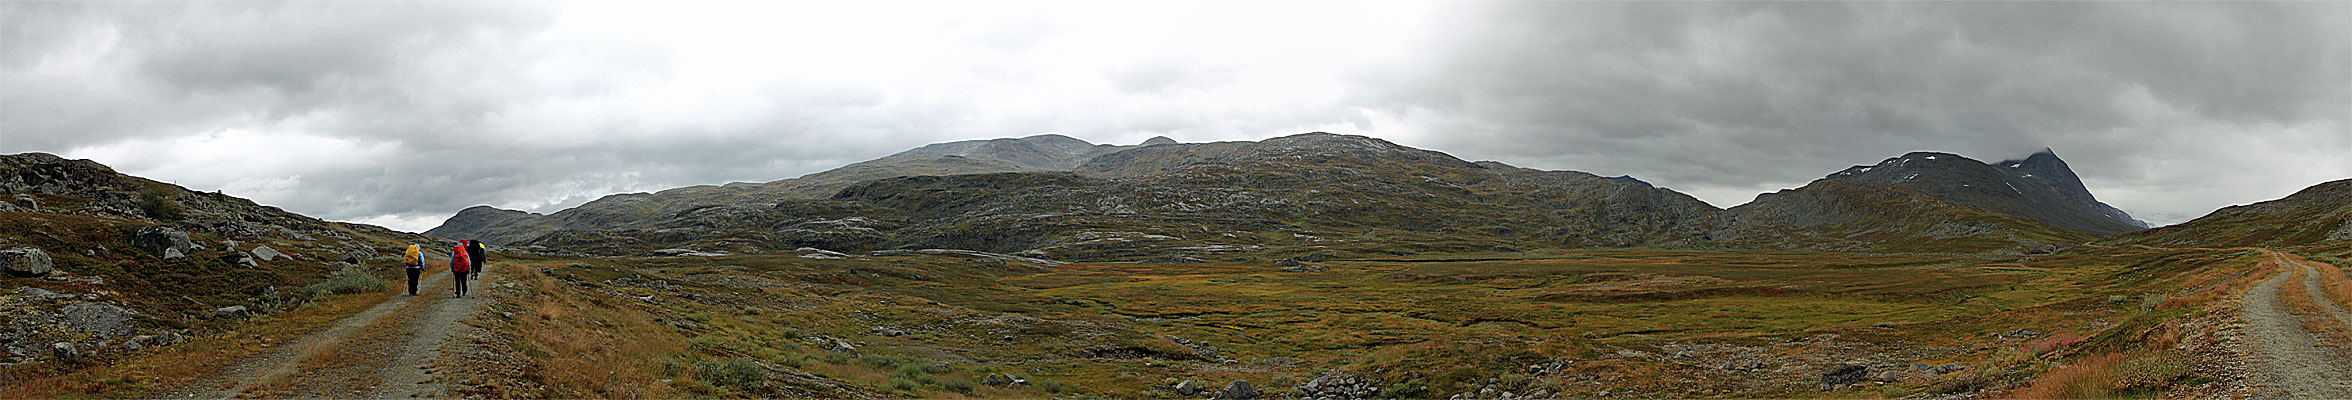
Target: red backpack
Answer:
[[457, 260]]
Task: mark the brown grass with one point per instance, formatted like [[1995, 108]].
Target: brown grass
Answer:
[[593, 348], [147, 373]]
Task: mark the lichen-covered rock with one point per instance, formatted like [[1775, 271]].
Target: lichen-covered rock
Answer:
[[232, 312], [160, 239], [267, 254], [25, 261]]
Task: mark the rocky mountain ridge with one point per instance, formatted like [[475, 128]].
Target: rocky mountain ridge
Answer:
[[2315, 215], [1921, 201], [1029, 154]]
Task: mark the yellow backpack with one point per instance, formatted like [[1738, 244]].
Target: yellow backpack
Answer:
[[415, 257]]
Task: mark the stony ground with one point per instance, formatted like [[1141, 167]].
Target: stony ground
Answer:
[[2291, 362], [405, 347]]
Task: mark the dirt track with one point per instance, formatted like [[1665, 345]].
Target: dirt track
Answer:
[[391, 350], [2289, 361]]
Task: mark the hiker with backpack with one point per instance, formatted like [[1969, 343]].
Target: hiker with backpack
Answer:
[[415, 261], [459, 264], [475, 254]]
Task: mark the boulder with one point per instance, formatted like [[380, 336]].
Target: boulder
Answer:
[[1185, 388], [267, 254], [25, 261], [232, 312], [173, 253], [27, 202], [1238, 390], [64, 351], [101, 320], [159, 239], [241, 259]]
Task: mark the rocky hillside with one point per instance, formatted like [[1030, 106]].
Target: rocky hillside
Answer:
[[2041, 188], [1197, 200], [98, 261], [1936, 202], [1029, 154], [2316, 215]]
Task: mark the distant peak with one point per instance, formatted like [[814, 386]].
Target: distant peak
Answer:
[[1631, 179], [1158, 140], [1051, 137]]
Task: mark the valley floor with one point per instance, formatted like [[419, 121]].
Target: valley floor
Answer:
[[2095, 323]]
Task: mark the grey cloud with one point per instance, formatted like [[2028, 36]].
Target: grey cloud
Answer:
[[473, 103], [1716, 95]]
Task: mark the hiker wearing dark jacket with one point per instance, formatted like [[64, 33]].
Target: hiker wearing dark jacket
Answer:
[[458, 266], [415, 261], [475, 254]]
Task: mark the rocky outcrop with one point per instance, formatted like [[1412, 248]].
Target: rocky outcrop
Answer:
[[25, 262], [161, 239]]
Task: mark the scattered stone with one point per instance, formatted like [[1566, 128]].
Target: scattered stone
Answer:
[[35, 293], [1238, 390], [232, 312], [1003, 380], [1185, 388], [173, 253], [1843, 374], [1171, 260], [267, 254], [1886, 376], [684, 253], [159, 238], [25, 261]]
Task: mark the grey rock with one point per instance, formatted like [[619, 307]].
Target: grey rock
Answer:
[[1185, 388], [29, 203], [25, 261], [173, 253], [97, 319], [160, 239], [1844, 374], [1886, 376], [267, 254], [64, 351], [232, 312], [241, 259], [35, 293], [1238, 390]]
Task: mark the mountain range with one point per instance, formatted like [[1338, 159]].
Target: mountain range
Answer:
[[1057, 196]]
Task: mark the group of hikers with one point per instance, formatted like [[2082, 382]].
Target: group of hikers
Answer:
[[465, 263]]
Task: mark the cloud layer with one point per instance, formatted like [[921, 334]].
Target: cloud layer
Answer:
[[401, 113]]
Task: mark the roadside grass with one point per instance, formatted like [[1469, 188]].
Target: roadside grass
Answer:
[[145, 374]]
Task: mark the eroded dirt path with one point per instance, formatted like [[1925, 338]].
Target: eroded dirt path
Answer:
[[391, 350], [2288, 359]]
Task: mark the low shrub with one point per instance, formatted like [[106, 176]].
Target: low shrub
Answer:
[[346, 281], [739, 373]]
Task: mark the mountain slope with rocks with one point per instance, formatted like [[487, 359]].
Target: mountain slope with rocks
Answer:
[[1936, 202], [2315, 215], [2040, 187], [100, 262], [1029, 154], [1194, 200]]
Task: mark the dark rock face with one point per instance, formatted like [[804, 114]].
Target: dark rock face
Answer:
[[25, 262]]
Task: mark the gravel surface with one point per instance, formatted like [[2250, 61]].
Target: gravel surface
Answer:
[[2291, 364], [387, 351]]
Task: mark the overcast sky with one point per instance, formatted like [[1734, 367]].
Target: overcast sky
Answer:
[[401, 113]]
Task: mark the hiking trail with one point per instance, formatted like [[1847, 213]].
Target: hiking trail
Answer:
[[391, 350], [2289, 361]]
